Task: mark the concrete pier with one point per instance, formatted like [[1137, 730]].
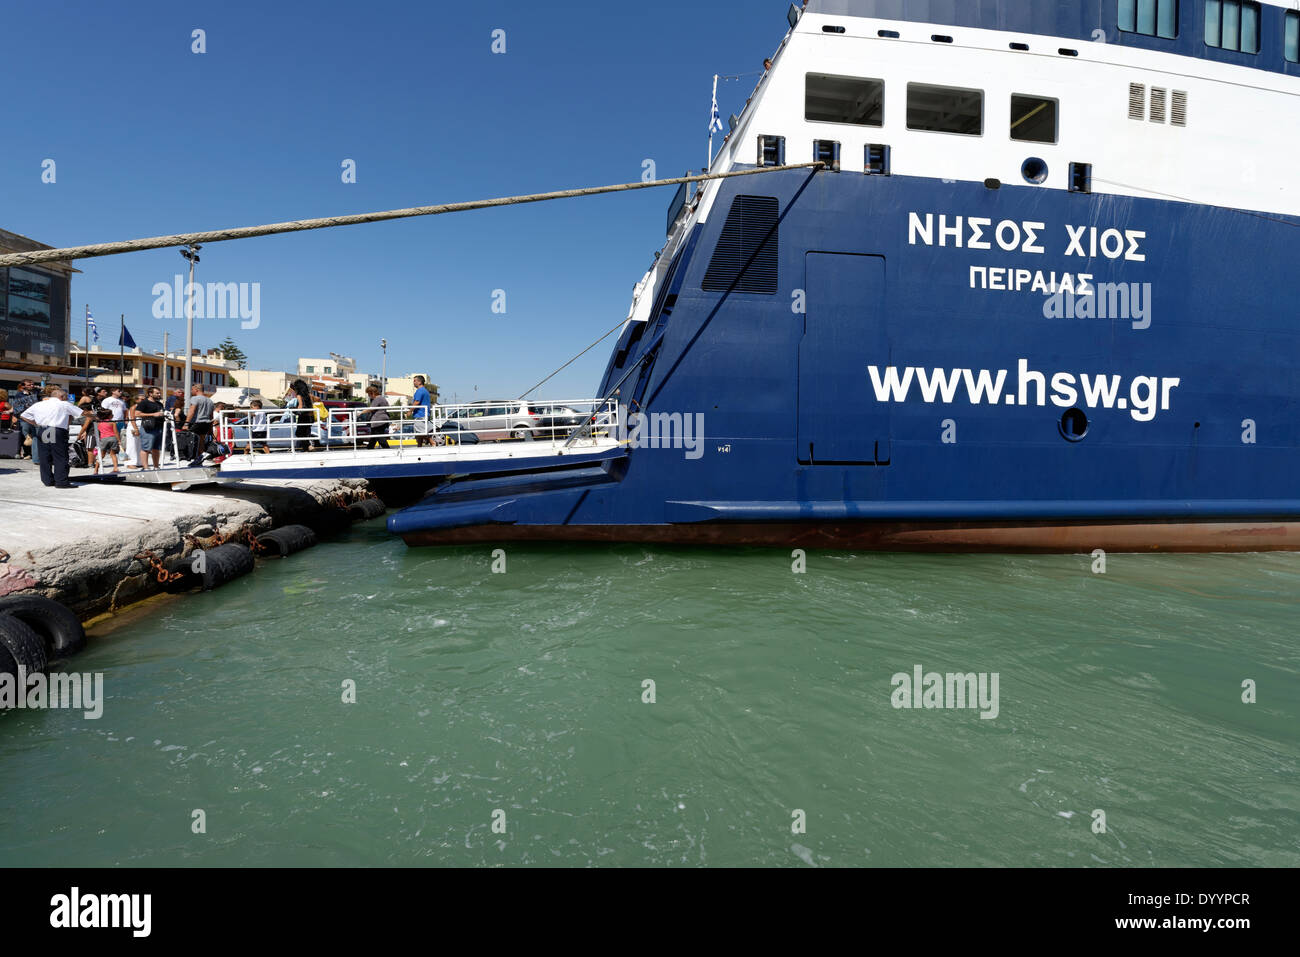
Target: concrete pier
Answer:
[[79, 546]]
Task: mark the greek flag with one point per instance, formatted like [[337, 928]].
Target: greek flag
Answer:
[[715, 119], [94, 329]]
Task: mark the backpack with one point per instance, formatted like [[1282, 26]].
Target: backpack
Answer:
[[77, 456]]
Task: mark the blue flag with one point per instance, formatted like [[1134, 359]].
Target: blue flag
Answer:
[[125, 341]]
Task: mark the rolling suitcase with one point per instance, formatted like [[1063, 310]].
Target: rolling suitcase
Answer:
[[10, 443]]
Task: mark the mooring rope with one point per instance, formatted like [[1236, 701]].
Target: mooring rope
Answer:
[[271, 229]]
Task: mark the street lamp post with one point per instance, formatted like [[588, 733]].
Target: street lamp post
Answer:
[[191, 253], [383, 375]]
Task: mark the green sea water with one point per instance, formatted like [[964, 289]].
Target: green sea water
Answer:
[[502, 719]]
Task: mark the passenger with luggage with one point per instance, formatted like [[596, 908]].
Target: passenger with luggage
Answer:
[[198, 421]]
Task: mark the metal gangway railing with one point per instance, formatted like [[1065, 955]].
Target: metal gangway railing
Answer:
[[458, 428]]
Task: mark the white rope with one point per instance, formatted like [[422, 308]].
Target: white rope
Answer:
[[246, 232]]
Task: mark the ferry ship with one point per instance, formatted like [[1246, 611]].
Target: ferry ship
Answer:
[[1038, 295]]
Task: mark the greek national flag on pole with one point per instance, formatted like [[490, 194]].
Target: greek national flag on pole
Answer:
[[94, 329], [715, 119]]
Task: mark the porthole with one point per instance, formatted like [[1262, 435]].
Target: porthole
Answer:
[[1034, 170], [1074, 425]]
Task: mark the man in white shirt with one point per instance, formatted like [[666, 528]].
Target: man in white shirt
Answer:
[[117, 405], [51, 417]]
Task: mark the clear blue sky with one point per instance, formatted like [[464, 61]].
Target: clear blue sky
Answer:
[[150, 138]]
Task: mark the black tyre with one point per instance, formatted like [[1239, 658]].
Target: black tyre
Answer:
[[57, 625], [366, 509], [184, 568], [21, 647], [286, 541], [225, 563]]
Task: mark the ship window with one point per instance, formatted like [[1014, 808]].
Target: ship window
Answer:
[[1033, 118], [1293, 36], [746, 255], [945, 109], [1232, 25], [1153, 18], [771, 151], [828, 152], [844, 99]]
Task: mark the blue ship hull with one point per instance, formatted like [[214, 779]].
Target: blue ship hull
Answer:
[[1199, 449]]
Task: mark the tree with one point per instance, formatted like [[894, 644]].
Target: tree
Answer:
[[232, 352], [230, 381]]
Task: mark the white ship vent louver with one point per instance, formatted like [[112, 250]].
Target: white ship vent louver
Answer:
[[1137, 101], [1178, 114], [1158, 99]]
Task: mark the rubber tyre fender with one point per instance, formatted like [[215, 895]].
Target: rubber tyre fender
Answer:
[[286, 541], [20, 646], [56, 624], [189, 580], [366, 509], [226, 563]]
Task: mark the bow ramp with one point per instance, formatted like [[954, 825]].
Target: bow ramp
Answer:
[[480, 438]]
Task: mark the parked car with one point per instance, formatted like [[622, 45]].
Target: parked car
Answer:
[[497, 419], [555, 421]]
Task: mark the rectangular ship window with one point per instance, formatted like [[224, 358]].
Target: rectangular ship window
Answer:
[[1033, 118], [945, 109], [844, 99], [1293, 36], [1232, 25], [1153, 18]]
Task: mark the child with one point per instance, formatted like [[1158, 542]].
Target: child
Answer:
[[108, 443]]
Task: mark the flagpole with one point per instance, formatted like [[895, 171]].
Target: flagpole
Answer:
[[87, 345], [711, 118], [121, 351]]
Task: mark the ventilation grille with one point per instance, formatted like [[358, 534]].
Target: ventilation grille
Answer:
[[1178, 116], [1158, 100], [1137, 101], [745, 258]]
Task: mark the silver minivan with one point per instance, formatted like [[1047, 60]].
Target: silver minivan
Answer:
[[496, 419]]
